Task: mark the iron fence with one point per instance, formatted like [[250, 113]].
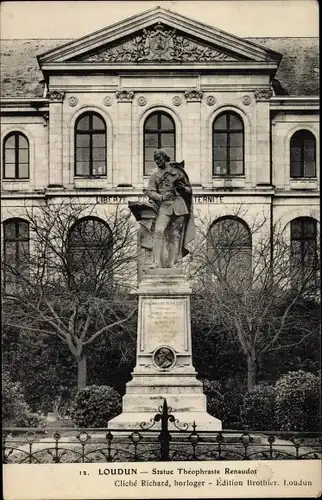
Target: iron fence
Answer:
[[154, 441]]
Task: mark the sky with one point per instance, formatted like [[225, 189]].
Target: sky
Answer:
[[244, 18]]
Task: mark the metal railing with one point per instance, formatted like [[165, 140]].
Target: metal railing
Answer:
[[154, 441]]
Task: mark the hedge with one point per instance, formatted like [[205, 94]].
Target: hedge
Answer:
[[298, 401], [94, 405]]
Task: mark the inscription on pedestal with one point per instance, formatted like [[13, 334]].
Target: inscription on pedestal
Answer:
[[164, 323]]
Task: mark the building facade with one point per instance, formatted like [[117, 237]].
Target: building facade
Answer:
[[81, 119]]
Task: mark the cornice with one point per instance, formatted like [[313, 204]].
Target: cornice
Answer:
[[221, 66], [23, 107], [25, 102], [18, 111], [254, 193], [298, 194], [6, 195], [295, 103], [294, 98]]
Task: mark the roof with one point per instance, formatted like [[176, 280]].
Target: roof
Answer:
[[20, 72], [21, 76], [298, 71]]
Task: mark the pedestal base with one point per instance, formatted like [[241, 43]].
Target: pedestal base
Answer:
[[146, 393]]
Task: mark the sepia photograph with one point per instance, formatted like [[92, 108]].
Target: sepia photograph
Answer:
[[160, 234]]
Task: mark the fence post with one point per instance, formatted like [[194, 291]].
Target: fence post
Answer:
[[164, 436], [4, 435]]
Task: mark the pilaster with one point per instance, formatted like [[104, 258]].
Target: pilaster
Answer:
[[123, 164], [263, 136], [193, 98], [55, 174]]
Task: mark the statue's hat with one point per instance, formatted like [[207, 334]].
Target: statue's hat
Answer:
[[163, 153]]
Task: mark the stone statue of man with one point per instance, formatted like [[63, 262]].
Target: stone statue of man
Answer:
[[170, 192], [166, 222]]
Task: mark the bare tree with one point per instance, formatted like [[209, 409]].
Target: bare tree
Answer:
[[248, 282], [73, 280]]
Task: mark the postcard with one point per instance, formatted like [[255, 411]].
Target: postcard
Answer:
[[160, 250]]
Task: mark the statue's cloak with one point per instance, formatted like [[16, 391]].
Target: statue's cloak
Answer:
[[190, 229]]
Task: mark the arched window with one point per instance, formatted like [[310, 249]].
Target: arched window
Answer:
[[230, 250], [90, 145], [16, 156], [304, 248], [16, 252], [90, 253], [302, 149], [228, 144], [159, 132]]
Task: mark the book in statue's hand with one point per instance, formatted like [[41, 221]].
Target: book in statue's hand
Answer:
[[143, 210]]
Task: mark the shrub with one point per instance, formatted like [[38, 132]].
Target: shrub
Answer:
[[212, 388], [298, 401], [15, 411], [216, 404], [224, 399], [31, 420], [25, 354], [258, 408], [234, 389], [95, 405], [14, 405], [217, 407]]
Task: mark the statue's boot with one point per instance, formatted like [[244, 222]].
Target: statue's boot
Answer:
[[174, 248], [157, 249]]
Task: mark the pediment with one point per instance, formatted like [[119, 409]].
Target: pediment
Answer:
[[158, 36]]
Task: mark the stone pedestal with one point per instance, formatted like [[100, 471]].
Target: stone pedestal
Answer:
[[164, 360]]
